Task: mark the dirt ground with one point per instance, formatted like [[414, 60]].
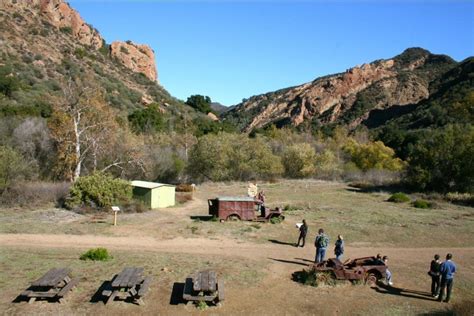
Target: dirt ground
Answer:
[[256, 261]]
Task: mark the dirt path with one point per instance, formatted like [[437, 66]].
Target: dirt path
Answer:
[[287, 296], [221, 246]]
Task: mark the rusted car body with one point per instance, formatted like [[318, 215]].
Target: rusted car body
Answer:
[[241, 208], [368, 269]]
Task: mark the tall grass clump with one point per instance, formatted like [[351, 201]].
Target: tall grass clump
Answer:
[[96, 254]]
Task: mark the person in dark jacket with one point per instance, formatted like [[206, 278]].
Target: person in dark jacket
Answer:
[[303, 233], [435, 275], [339, 247], [447, 271]]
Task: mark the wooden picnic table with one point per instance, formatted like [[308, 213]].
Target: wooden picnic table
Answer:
[[128, 283], [56, 283], [203, 286]]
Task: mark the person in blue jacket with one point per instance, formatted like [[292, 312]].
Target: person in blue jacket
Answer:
[[447, 270]]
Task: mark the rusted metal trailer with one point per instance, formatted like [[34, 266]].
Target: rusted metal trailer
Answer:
[[241, 208], [368, 269]]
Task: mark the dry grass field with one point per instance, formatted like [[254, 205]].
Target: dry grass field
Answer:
[[256, 260]]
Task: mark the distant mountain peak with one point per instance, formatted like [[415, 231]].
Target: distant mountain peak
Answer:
[[346, 97]]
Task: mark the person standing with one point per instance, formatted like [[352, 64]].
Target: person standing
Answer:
[[447, 270], [321, 243], [303, 232], [339, 247], [388, 276], [435, 275]]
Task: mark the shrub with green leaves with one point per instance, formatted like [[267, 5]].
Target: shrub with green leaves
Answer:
[[276, 219], [399, 198], [96, 254], [98, 189], [422, 204], [13, 167]]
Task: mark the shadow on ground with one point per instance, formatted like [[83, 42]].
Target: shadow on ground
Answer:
[[282, 242], [204, 218], [385, 289], [176, 297], [98, 297], [290, 261]]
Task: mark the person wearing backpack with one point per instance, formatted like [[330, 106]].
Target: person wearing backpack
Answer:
[[321, 243]]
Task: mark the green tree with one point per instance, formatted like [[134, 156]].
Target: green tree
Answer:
[[12, 167], [9, 82], [444, 161], [147, 120], [299, 160], [373, 155], [232, 157], [200, 103]]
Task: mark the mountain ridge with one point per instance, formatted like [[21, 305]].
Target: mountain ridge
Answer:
[[347, 97]]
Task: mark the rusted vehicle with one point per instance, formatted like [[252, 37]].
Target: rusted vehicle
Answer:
[[368, 269], [242, 208]]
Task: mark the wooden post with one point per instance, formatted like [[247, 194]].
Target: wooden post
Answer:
[[116, 209]]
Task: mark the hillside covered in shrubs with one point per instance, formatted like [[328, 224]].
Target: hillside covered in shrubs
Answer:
[[71, 113]]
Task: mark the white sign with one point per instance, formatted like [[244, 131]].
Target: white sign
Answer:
[[115, 208]]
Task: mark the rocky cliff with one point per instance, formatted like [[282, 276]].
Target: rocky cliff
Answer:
[[138, 58], [59, 14], [346, 97], [45, 41]]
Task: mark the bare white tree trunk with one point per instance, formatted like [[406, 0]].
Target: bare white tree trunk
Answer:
[[77, 135]]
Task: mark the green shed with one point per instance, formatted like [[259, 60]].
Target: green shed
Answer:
[[155, 195]]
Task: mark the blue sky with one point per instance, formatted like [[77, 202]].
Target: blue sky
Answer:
[[231, 50]]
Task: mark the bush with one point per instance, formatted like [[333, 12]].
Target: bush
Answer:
[[134, 206], [35, 194], [422, 204], [13, 167], [232, 157], [314, 278], [66, 30], [444, 161], [299, 161], [398, 198], [460, 198], [96, 254], [276, 219], [184, 187], [99, 190]]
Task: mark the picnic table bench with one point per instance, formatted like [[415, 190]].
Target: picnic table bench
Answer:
[[204, 286], [56, 283], [128, 283]]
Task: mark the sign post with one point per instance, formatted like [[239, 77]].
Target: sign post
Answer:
[[116, 209]]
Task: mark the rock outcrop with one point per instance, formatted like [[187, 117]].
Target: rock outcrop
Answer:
[[348, 96], [138, 58], [59, 14]]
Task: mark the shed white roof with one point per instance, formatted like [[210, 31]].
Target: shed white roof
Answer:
[[149, 185]]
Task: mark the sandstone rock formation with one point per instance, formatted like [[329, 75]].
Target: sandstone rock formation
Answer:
[[398, 81], [59, 14], [212, 116], [138, 58]]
